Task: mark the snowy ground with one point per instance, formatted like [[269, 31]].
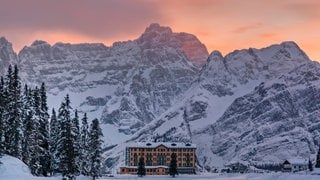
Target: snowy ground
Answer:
[[13, 169], [278, 176]]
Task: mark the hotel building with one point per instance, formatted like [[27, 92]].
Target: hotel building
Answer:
[[157, 157]]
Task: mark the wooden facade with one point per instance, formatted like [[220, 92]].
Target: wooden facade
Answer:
[[157, 158]]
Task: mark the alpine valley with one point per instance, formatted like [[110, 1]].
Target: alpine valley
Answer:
[[250, 106]]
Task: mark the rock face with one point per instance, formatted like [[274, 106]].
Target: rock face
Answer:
[[132, 82], [251, 106], [7, 55]]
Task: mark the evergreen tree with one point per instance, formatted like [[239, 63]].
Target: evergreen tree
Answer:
[[2, 100], [12, 115], [27, 125], [141, 169], [310, 165], [95, 149], [318, 159], [54, 134], [41, 124], [173, 165], [75, 130], [65, 147], [43, 131], [85, 169], [30, 131]]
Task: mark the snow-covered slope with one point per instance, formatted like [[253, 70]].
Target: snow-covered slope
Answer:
[[126, 85], [251, 105], [13, 168]]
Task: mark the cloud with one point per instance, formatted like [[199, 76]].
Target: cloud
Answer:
[[243, 29], [268, 35], [97, 18], [220, 24]]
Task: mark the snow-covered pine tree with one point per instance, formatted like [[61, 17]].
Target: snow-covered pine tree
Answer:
[[2, 99], [173, 165], [310, 165], [54, 133], [65, 147], [141, 168], [95, 149], [84, 155], [75, 130], [12, 113], [318, 159], [27, 125], [44, 131], [36, 153]]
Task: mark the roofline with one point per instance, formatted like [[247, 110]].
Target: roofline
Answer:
[[192, 146]]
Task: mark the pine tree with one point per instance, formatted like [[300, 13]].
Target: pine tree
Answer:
[[2, 100], [12, 115], [318, 159], [95, 149], [27, 125], [75, 130], [141, 168], [310, 165], [36, 150], [44, 131], [54, 132], [84, 146], [173, 165], [65, 147]]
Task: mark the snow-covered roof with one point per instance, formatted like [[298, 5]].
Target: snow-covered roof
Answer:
[[147, 167], [166, 144], [298, 161]]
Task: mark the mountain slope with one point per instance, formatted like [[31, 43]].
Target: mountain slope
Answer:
[[249, 106], [126, 85], [7, 55]]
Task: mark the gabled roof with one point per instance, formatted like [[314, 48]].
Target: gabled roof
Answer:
[[165, 144], [297, 161]]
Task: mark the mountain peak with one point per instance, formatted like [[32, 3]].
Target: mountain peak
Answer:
[[155, 27], [215, 53], [7, 55], [3, 40], [38, 42], [157, 37], [290, 44]]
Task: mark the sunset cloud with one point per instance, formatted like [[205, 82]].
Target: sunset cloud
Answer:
[[222, 25], [243, 29]]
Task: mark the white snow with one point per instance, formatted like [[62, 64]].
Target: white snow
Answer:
[[14, 169]]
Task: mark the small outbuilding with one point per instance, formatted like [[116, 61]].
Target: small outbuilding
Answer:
[[295, 165]]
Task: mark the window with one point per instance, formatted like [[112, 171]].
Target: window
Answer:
[[135, 159], [161, 160], [149, 159]]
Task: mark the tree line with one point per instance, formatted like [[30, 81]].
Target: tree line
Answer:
[[48, 145]]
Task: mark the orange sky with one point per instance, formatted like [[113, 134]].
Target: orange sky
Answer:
[[223, 25]]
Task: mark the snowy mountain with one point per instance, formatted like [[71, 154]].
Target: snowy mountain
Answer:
[[255, 105], [252, 105], [126, 85], [7, 55]]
